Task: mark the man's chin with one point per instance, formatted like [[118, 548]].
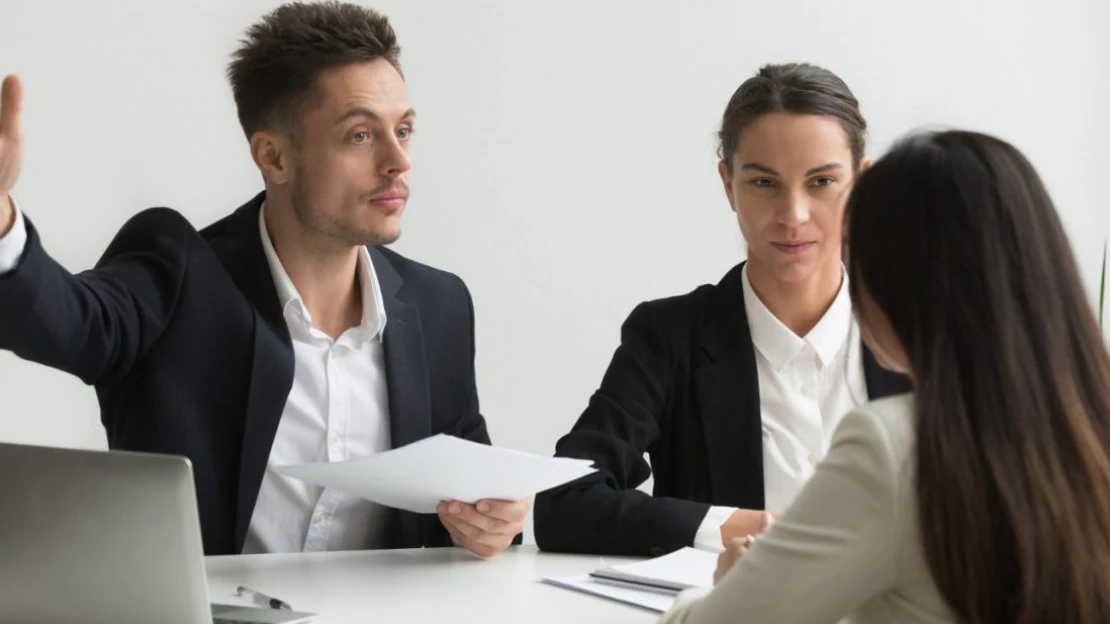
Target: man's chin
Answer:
[[373, 233], [378, 238], [385, 232]]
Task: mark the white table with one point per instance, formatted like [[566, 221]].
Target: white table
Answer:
[[423, 585]]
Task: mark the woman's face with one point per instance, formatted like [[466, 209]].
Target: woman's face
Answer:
[[789, 180]]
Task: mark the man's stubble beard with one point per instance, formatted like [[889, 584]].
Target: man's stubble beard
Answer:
[[328, 228]]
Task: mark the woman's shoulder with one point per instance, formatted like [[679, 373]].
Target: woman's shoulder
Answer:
[[675, 308], [886, 423], [689, 310], [893, 412]]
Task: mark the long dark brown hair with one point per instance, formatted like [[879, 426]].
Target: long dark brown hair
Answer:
[[956, 240]]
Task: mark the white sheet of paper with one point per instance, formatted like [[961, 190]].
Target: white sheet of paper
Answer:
[[653, 601], [416, 477], [684, 568]]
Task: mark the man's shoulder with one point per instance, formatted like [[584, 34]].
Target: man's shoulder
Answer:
[[419, 284], [217, 229], [413, 273], [159, 220], [162, 230]]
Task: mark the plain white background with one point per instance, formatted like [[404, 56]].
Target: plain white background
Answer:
[[565, 162]]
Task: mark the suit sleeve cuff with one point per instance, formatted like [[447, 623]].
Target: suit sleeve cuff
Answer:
[[709, 533], [13, 243]]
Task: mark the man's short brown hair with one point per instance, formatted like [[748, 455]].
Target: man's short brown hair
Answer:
[[273, 73]]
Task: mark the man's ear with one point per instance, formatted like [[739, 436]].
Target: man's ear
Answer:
[[272, 153]]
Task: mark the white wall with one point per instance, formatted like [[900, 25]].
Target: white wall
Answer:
[[565, 155]]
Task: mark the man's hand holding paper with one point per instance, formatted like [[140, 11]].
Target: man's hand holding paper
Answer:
[[482, 494], [486, 528]]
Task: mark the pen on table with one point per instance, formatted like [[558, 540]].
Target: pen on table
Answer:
[[261, 599]]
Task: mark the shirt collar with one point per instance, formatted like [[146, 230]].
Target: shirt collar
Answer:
[[372, 324], [776, 342], [834, 328]]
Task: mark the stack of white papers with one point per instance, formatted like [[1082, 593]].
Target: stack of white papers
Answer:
[[416, 477], [682, 569], [652, 584], [659, 603]]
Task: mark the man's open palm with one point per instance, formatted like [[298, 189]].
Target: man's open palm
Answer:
[[11, 142]]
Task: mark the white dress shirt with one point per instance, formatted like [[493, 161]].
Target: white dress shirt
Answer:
[[12, 243], [806, 386], [338, 409]]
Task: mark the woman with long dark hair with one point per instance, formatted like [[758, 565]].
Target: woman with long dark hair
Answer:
[[983, 496]]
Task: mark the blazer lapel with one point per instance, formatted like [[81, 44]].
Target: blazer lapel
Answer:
[[728, 393], [881, 382], [410, 407], [240, 249]]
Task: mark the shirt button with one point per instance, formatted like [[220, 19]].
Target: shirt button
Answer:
[[814, 459]]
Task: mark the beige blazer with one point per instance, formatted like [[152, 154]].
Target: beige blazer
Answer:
[[847, 547]]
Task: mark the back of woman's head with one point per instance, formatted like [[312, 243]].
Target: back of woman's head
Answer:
[[956, 241]]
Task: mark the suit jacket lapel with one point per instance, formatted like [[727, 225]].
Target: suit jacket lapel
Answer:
[[240, 249], [881, 382], [728, 393], [410, 407]]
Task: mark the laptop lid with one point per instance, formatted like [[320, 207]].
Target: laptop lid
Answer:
[[94, 536]]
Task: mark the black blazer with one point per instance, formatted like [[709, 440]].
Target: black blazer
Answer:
[[683, 388], [183, 337]]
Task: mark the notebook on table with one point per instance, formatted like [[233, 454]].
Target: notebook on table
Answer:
[[652, 584], [683, 569]]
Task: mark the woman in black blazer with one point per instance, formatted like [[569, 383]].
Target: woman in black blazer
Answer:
[[684, 386]]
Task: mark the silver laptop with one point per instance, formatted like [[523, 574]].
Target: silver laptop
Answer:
[[112, 537]]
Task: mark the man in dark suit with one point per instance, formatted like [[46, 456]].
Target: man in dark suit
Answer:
[[286, 332]]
